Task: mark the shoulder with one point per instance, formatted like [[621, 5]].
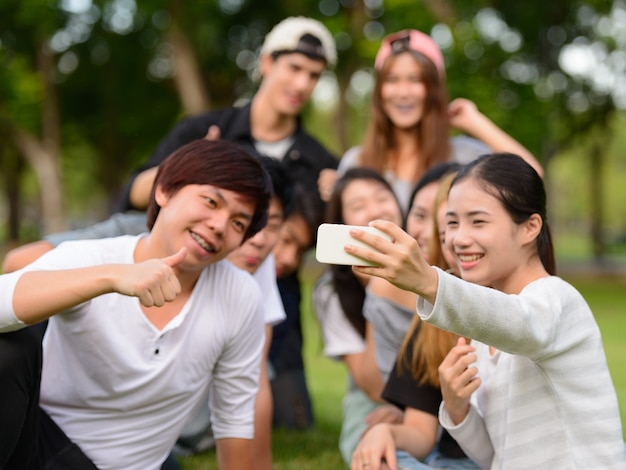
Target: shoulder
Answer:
[[232, 293], [233, 280], [556, 289], [310, 147], [464, 149], [349, 159], [91, 252]]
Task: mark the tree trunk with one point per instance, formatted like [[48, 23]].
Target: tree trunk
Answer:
[[187, 77], [43, 155], [45, 166], [596, 163]]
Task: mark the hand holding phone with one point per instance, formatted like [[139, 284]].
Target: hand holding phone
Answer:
[[331, 239]]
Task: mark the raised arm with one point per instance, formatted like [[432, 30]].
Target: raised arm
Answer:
[[399, 260], [141, 184], [140, 188], [38, 295], [465, 116]]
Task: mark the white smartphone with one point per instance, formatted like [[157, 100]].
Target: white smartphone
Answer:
[[331, 239]]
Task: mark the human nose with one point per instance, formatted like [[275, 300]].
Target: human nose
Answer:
[[374, 211], [218, 221], [426, 231], [303, 81], [259, 239], [458, 237]]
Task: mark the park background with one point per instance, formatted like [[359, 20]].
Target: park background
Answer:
[[89, 87]]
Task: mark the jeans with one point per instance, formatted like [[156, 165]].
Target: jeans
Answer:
[[435, 460]]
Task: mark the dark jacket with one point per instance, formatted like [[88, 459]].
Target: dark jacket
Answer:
[[304, 160]]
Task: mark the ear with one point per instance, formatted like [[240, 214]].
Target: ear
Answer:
[[265, 64], [532, 228], [160, 196]]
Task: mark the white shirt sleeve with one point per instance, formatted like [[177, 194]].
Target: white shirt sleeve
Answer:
[[470, 434], [8, 320], [265, 276], [350, 159], [340, 337]]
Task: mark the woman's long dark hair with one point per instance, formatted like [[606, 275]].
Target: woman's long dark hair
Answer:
[[521, 191], [350, 291]]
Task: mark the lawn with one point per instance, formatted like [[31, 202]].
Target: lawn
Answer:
[[317, 448]]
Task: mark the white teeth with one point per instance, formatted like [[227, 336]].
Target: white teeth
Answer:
[[469, 258], [202, 243]]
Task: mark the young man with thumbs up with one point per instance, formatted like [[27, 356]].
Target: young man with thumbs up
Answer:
[[140, 328]]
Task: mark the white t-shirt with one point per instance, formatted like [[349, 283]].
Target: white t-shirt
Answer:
[[121, 389], [265, 276]]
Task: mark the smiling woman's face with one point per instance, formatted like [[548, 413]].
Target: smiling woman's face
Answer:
[[403, 92], [364, 200], [420, 222]]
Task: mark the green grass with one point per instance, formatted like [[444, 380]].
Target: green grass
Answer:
[[317, 448]]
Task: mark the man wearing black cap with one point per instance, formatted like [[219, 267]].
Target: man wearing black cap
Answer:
[[294, 55]]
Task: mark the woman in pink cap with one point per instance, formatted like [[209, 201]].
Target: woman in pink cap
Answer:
[[411, 118]]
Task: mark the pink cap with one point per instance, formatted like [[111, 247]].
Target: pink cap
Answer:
[[413, 40]]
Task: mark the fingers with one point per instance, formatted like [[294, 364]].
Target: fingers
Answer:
[[366, 459], [213, 133], [176, 258], [326, 183], [160, 291], [385, 414]]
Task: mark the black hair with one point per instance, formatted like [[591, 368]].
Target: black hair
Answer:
[[434, 174], [520, 189], [217, 163], [311, 209], [349, 289]]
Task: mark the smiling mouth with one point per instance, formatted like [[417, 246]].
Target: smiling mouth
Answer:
[[203, 243], [469, 258]]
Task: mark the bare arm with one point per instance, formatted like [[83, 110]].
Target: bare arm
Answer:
[[141, 188], [363, 369], [417, 435], [398, 260], [234, 454], [465, 116], [40, 294]]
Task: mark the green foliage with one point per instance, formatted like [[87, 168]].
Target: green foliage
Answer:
[[116, 96], [21, 93]]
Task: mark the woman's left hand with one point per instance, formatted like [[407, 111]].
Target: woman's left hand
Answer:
[[385, 414], [399, 260], [458, 379]]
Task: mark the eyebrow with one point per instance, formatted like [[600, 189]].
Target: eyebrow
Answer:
[[241, 214], [469, 214]]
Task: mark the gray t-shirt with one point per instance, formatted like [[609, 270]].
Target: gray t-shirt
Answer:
[[390, 322]]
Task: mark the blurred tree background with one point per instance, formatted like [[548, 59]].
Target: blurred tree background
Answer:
[[89, 87]]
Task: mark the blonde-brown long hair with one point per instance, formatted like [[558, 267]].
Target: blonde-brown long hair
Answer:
[[427, 345], [432, 132]]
